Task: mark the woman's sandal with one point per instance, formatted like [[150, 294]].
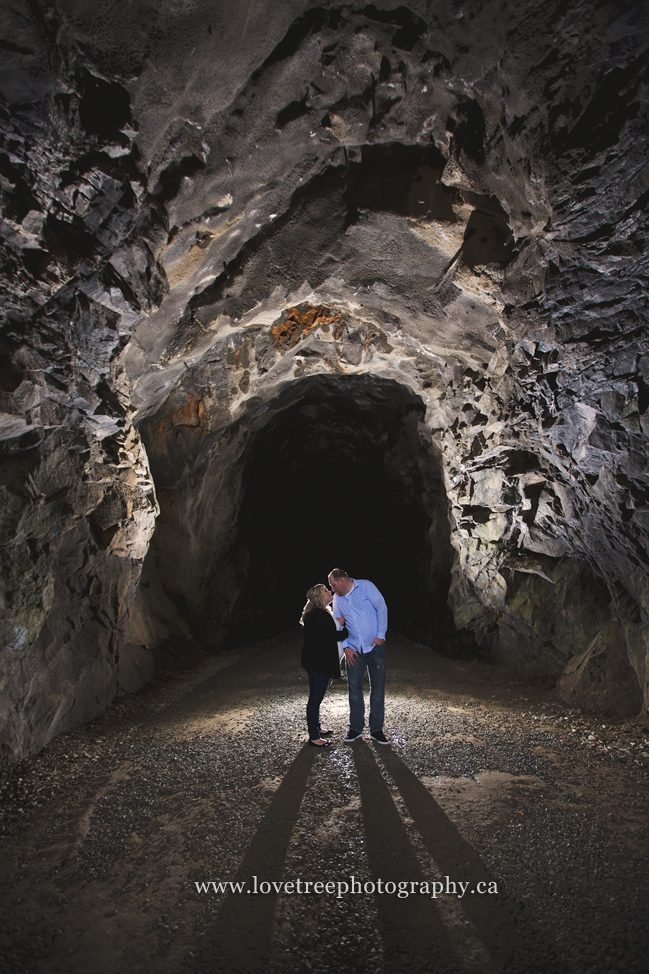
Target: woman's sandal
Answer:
[[326, 733], [319, 743]]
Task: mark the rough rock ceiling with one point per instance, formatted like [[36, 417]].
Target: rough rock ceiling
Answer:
[[222, 221]]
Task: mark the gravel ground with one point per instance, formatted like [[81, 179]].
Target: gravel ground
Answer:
[[204, 778]]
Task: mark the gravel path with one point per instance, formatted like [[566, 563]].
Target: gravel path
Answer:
[[205, 779]]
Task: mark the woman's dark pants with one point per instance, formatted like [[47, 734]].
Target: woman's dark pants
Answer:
[[318, 684]]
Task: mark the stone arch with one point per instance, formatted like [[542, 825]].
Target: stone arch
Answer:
[[256, 496]]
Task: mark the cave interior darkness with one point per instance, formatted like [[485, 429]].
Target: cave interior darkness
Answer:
[[340, 474]]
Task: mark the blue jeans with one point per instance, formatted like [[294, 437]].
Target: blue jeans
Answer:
[[318, 684], [374, 663]]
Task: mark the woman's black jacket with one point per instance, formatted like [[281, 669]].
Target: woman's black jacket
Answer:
[[321, 638]]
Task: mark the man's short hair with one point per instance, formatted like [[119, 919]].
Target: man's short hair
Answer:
[[337, 573]]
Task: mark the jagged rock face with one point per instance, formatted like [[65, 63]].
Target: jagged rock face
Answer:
[[331, 284]]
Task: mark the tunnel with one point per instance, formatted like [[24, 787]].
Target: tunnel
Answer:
[[330, 470], [314, 287], [289, 286], [340, 474]]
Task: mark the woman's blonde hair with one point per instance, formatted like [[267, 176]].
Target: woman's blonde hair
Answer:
[[315, 600]]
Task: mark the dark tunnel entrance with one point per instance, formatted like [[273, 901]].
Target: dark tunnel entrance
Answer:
[[342, 475]]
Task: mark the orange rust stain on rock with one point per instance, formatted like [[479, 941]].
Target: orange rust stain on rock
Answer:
[[192, 414], [297, 322], [239, 358]]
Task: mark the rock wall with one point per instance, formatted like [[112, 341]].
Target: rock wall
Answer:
[[78, 504], [205, 206]]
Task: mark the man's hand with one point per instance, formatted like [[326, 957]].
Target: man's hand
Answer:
[[350, 655], [377, 642]]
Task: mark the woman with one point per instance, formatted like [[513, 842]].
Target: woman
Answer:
[[319, 656]]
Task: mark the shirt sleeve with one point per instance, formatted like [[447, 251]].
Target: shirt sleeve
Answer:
[[378, 602], [337, 611]]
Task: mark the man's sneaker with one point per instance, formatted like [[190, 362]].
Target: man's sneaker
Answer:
[[352, 736], [379, 737]]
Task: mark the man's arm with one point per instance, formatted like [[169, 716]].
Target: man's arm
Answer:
[[350, 652], [381, 610], [339, 616]]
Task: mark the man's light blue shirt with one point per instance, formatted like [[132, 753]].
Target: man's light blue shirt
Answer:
[[365, 614]]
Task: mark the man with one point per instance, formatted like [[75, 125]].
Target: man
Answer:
[[363, 608]]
